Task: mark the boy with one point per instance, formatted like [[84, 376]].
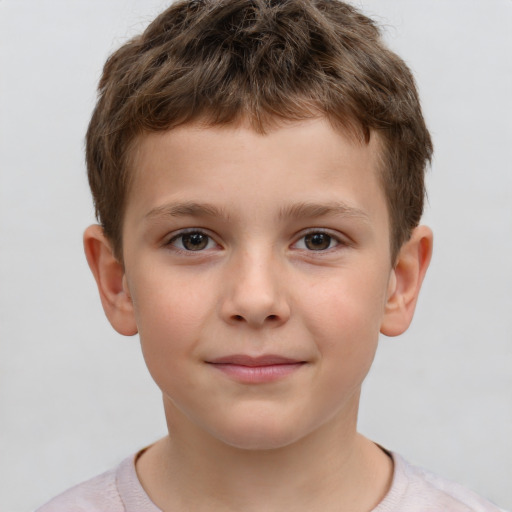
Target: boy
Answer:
[[257, 169]]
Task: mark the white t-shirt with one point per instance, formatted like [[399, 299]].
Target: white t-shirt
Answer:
[[412, 490]]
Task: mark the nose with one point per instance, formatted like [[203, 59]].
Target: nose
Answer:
[[254, 292]]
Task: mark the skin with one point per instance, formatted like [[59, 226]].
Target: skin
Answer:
[[291, 259]]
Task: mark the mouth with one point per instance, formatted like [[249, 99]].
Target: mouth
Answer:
[[256, 370]]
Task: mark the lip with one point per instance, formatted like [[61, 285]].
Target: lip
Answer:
[[256, 370]]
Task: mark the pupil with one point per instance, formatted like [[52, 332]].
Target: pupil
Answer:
[[195, 241], [317, 241]]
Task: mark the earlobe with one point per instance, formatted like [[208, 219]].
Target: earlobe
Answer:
[[405, 281], [111, 281]]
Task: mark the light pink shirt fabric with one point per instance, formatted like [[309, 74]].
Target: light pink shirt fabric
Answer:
[[412, 490]]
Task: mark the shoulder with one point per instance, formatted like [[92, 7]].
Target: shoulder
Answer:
[[97, 494], [416, 490], [117, 490]]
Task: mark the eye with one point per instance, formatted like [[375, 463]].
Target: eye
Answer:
[[317, 241], [192, 241]]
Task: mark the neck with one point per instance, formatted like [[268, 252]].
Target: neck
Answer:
[[333, 468]]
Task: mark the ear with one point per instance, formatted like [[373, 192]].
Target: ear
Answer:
[[111, 281], [405, 281]]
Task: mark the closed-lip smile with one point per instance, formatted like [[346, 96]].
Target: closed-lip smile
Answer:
[[255, 370]]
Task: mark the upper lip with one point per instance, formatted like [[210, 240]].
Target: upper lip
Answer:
[[245, 360]]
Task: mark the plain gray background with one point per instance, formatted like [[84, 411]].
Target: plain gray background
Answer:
[[75, 397]]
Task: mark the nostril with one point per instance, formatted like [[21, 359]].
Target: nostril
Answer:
[[240, 318]]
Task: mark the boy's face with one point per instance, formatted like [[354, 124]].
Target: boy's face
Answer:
[[258, 269]]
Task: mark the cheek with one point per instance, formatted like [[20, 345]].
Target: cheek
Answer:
[[168, 304], [164, 317], [170, 316], [351, 305], [344, 320]]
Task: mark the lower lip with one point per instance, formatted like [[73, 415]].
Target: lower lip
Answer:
[[257, 374]]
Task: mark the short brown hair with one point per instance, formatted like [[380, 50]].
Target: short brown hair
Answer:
[[221, 61]]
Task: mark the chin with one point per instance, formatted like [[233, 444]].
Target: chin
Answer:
[[258, 436], [259, 442]]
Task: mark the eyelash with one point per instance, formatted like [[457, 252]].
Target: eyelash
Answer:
[[331, 238], [182, 234]]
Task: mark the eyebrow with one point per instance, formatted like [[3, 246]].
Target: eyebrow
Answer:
[[186, 209], [313, 210], [301, 210]]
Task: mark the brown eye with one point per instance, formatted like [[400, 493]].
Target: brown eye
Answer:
[[317, 241], [194, 241]]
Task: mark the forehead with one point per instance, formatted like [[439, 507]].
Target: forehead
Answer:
[[301, 161]]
